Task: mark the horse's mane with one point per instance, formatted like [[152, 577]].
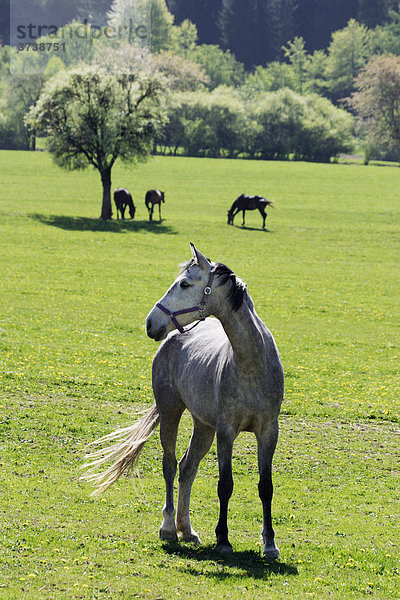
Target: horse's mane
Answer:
[[238, 290]]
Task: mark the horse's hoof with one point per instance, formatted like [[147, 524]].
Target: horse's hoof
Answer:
[[224, 548], [192, 538], [168, 536], [271, 554]]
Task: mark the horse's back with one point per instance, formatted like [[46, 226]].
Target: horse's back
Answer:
[[154, 196], [122, 194], [246, 202]]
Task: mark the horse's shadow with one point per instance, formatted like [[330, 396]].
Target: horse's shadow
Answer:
[[249, 561], [265, 230], [111, 226]]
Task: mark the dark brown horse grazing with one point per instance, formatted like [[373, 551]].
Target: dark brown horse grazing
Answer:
[[245, 202], [154, 197], [122, 199]]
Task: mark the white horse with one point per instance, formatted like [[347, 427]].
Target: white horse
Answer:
[[227, 372]]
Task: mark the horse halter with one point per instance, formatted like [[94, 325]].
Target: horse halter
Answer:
[[200, 307]]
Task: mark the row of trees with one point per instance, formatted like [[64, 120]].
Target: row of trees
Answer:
[[275, 126], [256, 30], [189, 66], [329, 72]]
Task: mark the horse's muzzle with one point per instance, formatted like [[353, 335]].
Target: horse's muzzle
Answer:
[[155, 334]]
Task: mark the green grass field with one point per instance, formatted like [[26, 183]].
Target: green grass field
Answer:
[[75, 364]]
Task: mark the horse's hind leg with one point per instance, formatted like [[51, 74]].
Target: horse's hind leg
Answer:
[[159, 210], [200, 443], [266, 447], [169, 421], [264, 216]]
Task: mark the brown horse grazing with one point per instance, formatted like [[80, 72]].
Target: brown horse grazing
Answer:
[[154, 197], [122, 199], [245, 202]]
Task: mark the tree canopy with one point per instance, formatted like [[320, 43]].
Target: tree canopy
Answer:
[[377, 102]]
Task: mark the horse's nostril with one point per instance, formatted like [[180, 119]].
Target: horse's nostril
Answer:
[[148, 324]]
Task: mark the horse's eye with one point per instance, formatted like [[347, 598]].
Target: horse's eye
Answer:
[[184, 284]]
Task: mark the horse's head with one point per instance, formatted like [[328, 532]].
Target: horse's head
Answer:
[[187, 300], [162, 196], [132, 210]]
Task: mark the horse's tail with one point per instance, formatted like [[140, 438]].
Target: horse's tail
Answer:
[[269, 203], [124, 453]]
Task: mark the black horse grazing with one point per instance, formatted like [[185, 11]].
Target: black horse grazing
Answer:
[[154, 197], [122, 199], [245, 202]]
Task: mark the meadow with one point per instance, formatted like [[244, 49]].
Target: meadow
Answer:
[[75, 363]]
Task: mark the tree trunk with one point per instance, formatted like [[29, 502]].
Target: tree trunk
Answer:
[[32, 141], [106, 209]]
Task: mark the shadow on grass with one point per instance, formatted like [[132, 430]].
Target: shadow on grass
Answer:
[[112, 226], [249, 561], [246, 228]]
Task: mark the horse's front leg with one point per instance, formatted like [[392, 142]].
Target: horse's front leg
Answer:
[[200, 444], [168, 434], [123, 207], [266, 447], [225, 439], [234, 213], [159, 211]]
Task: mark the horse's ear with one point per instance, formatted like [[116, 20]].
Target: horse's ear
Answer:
[[199, 258]]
